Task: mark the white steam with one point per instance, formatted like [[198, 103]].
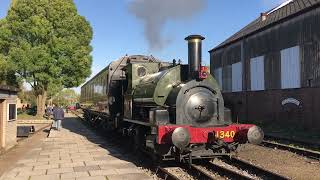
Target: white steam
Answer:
[[155, 14]]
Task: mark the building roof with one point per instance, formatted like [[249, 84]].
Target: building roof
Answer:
[[284, 11], [8, 88], [124, 60]]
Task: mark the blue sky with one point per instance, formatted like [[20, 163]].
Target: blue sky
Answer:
[[117, 32]]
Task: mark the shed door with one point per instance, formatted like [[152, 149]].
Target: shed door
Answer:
[[218, 76], [227, 78], [290, 68], [237, 77], [257, 73]]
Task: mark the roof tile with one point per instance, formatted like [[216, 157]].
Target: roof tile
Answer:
[[294, 7]]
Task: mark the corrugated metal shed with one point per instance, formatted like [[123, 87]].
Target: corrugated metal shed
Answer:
[[281, 60], [290, 10]]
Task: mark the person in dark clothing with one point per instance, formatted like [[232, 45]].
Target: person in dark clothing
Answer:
[[58, 115], [48, 112]]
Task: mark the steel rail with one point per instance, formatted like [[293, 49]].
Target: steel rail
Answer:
[[301, 151], [224, 171], [198, 172], [296, 142], [77, 114], [253, 169]]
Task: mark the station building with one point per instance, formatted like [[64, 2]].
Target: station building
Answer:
[[269, 71], [8, 117]]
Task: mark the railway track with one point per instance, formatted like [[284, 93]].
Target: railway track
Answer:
[[312, 154], [185, 172], [253, 169], [163, 173], [78, 114], [241, 170], [210, 170], [295, 142]]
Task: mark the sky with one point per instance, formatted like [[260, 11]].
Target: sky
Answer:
[[117, 31]]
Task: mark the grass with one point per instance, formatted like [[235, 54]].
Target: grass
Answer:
[[25, 116]]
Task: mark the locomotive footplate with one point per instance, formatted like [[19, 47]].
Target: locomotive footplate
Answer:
[[168, 134], [185, 143]]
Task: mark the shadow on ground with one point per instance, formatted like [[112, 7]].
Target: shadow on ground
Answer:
[[112, 142]]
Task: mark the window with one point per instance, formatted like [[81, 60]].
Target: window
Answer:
[[290, 68], [237, 77], [218, 76], [12, 112], [257, 73], [226, 78]]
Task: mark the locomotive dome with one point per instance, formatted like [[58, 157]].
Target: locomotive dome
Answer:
[[201, 106]]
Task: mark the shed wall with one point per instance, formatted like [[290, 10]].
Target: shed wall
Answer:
[[265, 106], [302, 31]]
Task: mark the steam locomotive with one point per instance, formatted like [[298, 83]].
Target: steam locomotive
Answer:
[[170, 110]]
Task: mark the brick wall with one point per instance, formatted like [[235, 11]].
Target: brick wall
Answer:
[[11, 134], [2, 128], [8, 129]]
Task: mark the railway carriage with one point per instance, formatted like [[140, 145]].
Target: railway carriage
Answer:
[[170, 110]]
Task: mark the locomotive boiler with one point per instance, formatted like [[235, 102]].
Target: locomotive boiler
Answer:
[[169, 110]]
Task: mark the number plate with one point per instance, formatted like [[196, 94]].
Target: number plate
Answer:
[[225, 134]]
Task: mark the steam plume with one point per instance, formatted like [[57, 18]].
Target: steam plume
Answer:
[[155, 14]]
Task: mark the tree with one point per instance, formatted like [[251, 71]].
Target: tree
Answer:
[[7, 73], [27, 96], [66, 97], [49, 44]]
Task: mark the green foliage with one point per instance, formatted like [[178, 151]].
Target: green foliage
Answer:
[[54, 89], [27, 97], [66, 97], [7, 73], [48, 43]]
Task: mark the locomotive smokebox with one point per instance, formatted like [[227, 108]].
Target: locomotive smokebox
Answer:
[[194, 55]]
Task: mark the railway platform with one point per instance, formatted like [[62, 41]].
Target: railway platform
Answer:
[[74, 153]]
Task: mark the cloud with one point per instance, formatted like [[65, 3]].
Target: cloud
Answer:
[[156, 13]]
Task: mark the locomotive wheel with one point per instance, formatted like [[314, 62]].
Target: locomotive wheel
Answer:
[[137, 140]]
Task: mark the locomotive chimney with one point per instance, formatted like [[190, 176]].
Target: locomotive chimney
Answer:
[[194, 54]]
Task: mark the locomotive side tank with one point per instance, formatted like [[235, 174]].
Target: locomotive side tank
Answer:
[[170, 110]]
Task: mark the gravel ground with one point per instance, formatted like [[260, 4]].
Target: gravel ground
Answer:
[[282, 162], [149, 172], [180, 173]]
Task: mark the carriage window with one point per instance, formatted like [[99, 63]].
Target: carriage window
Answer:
[[12, 112]]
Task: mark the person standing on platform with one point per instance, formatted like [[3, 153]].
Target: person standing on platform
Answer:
[[58, 115]]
